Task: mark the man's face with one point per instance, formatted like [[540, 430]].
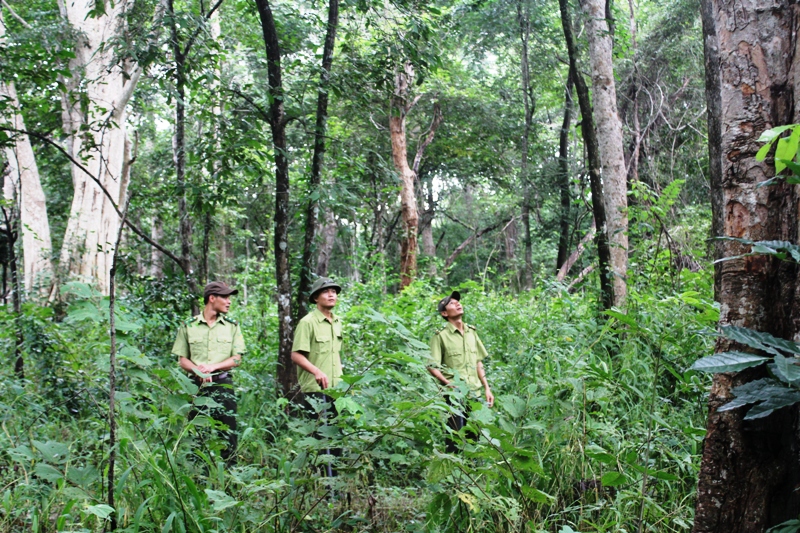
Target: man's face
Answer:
[[326, 298], [453, 309], [219, 304]]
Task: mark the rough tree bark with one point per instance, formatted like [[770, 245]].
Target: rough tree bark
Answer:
[[523, 20], [750, 470], [609, 136], [286, 375], [592, 159], [563, 178], [400, 107], [317, 158]]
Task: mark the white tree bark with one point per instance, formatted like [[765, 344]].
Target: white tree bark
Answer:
[[23, 175], [107, 84], [609, 135]]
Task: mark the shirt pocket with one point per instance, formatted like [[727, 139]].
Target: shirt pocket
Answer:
[[223, 346], [454, 357], [324, 341]]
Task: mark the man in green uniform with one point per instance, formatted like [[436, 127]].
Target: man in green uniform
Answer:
[[208, 347], [456, 350], [315, 351]]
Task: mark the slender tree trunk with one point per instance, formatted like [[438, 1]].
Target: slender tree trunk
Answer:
[[36, 242], [179, 156], [610, 142], [750, 470], [112, 371], [593, 159], [156, 257], [317, 159], [107, 84], [563, 167], [523, 20], [408, 200], [286, 375]]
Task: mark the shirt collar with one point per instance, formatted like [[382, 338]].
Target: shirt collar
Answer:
[[220, 318], [319, 317], [452, 329]]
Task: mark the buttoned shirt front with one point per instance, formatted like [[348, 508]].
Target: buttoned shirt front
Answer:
[[203, 344], [455, 353], [320, 340]]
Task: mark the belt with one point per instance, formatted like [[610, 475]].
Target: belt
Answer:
[[214, 378]]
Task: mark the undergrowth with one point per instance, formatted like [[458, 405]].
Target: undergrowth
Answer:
[[597, 426]]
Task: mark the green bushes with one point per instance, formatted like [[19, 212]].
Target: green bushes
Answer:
[[597, 425]]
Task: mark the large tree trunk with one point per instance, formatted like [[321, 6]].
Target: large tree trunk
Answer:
[[523, 20], [563, 178], [312, 207], [609, 136], [750, 470], [592, 159], [107, 84], [408, 200], [286, 375], [24, 174]]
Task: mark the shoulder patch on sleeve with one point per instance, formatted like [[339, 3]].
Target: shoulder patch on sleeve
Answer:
[[189, 320], [470, 326], [232, 321]]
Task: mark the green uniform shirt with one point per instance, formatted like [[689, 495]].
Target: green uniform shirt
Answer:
[[320, 340], [454, 353], [205, 345]]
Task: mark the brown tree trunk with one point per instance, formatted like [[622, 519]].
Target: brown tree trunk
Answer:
[[750, 470], [408, 200], [592, 160], [609, 137], [286, 375], [312, 207], [563, 179]]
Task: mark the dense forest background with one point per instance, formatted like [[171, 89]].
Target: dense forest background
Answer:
[[406, 149]]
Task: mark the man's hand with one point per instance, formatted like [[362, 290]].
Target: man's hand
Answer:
[[206, 369], [489, 397], [322, 379]]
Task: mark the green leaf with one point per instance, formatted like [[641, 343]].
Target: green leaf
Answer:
[[763, 151], [21, 454], [728, 362], [221, 500], [765, 395], [101, 511], [48, 472], [788, 368], [770, 134], [536, 495], [346, 403], [513, 405], [167, 527], [760, 340], [53, 452], [613, 479], [599, 454]]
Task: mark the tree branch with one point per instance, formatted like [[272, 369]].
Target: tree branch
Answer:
[[130, 224], [471, 238], [437, 120]]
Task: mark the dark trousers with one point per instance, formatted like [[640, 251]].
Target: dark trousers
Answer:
[[221, 391], [327, 413], [456, 422]]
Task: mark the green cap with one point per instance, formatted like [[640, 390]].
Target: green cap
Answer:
[[455, 295], [321, 284]]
